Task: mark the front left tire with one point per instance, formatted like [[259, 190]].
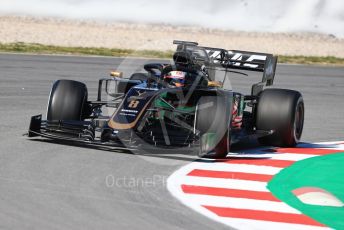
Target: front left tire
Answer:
[[212, 121]]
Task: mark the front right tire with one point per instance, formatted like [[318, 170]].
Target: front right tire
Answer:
[[67, 101]]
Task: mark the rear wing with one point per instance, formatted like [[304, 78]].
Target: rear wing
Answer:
[[245, 60], [233, 59]]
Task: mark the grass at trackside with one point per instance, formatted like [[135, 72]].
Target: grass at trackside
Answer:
[[329, 60], [20, 47]]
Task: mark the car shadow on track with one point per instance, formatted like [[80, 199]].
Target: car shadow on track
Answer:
[[242, 148], [82, 145], [187, 155]]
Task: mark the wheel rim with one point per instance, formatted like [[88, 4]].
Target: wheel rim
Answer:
[[298, 123]]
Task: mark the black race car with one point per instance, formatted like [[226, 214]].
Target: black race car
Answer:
[[184, 105]]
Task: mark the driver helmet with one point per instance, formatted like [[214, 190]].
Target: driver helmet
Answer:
[[175, 78]]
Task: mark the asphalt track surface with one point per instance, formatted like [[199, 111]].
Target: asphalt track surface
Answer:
[[53, 186]]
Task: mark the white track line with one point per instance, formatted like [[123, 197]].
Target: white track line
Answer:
[[225, 183], [277, 156], [268, 170], [241, 203]]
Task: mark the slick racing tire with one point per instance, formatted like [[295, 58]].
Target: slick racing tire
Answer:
[[212, 121], [67, 101], [282, 111]]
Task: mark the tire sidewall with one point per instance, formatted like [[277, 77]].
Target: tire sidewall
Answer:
[[277, 111], [67, 101]]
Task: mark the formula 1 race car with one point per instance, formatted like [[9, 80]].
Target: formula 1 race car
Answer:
[[188, 104]]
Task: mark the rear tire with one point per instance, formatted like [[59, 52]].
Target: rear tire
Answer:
[[67, 101], [283, 111], [212, 121]]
